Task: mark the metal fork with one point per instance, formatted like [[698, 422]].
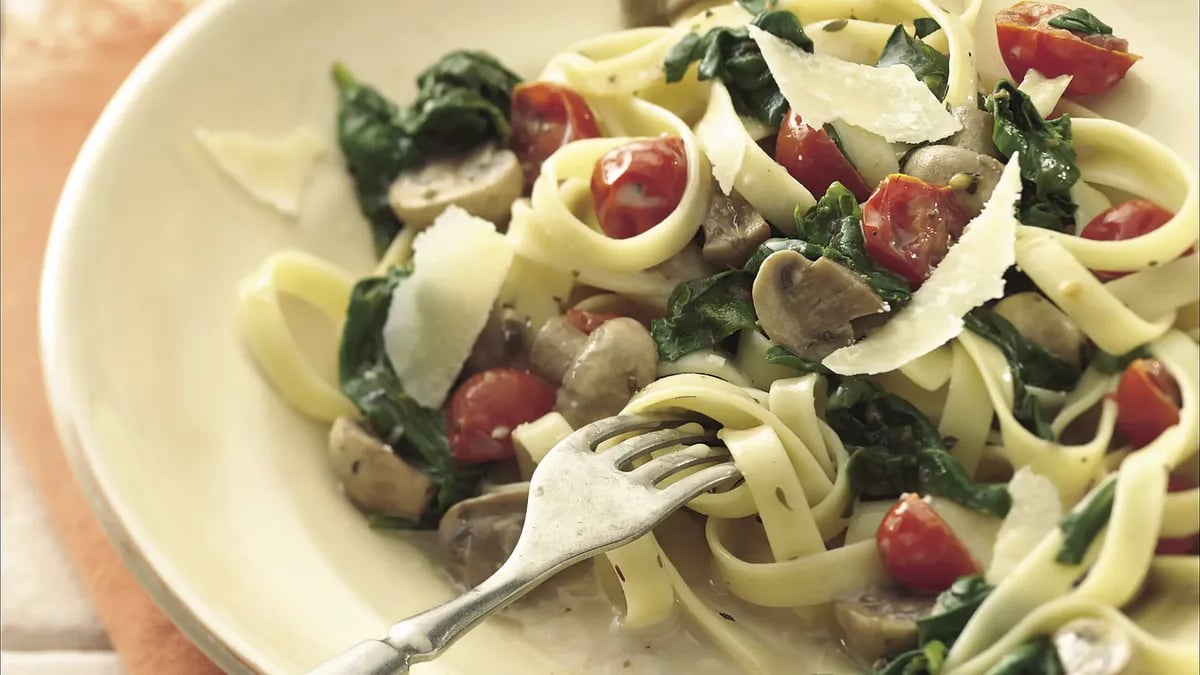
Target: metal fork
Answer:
[[581, 503]]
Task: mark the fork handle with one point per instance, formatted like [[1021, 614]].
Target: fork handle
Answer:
[[424, 636]]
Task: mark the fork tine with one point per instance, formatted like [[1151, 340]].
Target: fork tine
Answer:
[[689, 487], [597, 432], [643, 444], [661, 468]]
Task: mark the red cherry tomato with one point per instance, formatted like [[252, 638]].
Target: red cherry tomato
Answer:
[[1178, 545], [638, 184], [1125, 221], [1148, 401], [1028, 41], [918, 549], [588, 321], [544, 117], [488, 406], [814, 160], [908, 225]]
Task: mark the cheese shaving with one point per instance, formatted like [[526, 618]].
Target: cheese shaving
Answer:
[[272, 170], [971, 273], [822, 88], [459, 265]]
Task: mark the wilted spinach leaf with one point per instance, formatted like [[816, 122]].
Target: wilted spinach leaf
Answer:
[[929, 65], [1109, 364], [954, 608], [925, 26], [833, 229], [732, 55], [703, 312], [780, 356], [1081, 21], [1048, 169], [1080, 527], [894, 449], [416, 433], [1031, 365], [924, 660], [463, 101]]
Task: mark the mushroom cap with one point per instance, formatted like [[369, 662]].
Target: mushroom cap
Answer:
[[373, 476], [807, 307], [478, 535]]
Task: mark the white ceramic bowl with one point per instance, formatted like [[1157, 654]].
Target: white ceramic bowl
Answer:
[[218, 495]]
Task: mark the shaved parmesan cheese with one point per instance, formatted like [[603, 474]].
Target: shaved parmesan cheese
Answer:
[[971, 273], [459, 264], [1044, 92], [1036, 510], [272, 170], [886, 101], [976, 531], [722, 135]]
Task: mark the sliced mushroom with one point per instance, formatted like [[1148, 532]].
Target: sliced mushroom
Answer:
[[555, 348], [881, 623], [733, 229], [1093, 647], [373, 476], [972, 176], [484, 182], [806, 307], [477, 535], [1039, 320], [618, 358], [504, 342], [976, 132]]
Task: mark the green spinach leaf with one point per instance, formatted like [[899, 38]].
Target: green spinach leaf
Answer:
[[1036, 657], [1030, 363], [780, 356], [929, 65], [463, 101], [894, 448], [1048, 169], [924, 660], [703, 312], [1080, 527], [925, 26], [377, 147], [417, 434], [732, 55], [1109, 364], [833, 229], [954, 608], [1081, 21]]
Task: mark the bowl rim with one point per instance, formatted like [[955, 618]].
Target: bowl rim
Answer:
[[51, 303]]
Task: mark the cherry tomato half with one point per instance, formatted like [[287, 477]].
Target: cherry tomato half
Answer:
[[1125, 221], [1178, 545], [814, 160], [587, 322], [1028, 41], [918, 549], [544, 117], [638, 184], [908, 225], [1148, 401], [488, 406]]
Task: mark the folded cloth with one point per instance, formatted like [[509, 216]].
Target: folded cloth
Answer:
[[61, 64]]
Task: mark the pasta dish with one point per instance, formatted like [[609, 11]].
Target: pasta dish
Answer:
[[946, 324]]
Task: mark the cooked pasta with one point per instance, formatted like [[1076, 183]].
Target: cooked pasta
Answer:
[[861, 382]]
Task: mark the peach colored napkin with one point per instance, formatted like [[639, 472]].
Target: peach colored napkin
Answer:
[[62, 61]]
